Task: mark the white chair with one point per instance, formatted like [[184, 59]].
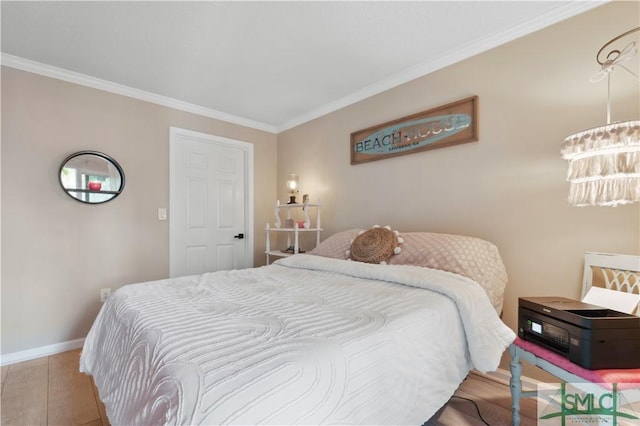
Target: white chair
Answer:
[[611, 271]]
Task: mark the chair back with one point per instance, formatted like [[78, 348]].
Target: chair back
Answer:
[[619, 272]]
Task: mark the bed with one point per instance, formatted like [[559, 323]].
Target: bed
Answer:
[[311, 339]]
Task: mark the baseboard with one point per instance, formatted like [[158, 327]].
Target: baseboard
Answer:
[[40, 352], [503, 376]]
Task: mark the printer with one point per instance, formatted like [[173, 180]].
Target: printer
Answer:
[[588, 335]]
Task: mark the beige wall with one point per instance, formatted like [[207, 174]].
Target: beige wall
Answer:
[[509, 187], [56, 252]]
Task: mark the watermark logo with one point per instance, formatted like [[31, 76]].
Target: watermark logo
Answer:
[[588, 404]]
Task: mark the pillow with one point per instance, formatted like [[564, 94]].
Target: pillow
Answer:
[[467, 256], [337, 245], [375, 245]]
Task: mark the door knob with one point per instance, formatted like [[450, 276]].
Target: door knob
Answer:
[[239, 236]]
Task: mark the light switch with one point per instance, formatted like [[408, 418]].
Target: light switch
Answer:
[[162, 213]]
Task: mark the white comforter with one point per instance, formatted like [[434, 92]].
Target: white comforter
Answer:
[[308, 340]]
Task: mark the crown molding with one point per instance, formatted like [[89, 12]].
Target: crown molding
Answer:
[[108, 86], [563, 11], [559, 13]]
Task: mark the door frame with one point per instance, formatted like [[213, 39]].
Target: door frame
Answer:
[[174, 134]]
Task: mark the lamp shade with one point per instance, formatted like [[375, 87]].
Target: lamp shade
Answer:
[[292, 188], [604, 165], [292, 183]]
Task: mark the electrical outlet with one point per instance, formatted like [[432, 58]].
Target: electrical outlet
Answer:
[[104, 294]]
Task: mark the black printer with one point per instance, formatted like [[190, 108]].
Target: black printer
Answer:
[[588, 335]]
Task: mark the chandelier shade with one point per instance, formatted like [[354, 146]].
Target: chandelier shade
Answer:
[[604, 165]]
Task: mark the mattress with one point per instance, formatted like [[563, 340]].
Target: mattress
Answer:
[[307, 340]]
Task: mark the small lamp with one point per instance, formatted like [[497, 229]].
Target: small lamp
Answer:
[[604, 162], [292, 188]]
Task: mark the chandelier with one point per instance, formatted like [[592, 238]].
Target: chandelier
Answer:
[[604, 162]]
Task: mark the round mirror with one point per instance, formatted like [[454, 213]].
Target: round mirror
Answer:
[[91, 177]]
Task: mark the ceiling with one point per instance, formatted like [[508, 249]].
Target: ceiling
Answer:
[[269, 65]]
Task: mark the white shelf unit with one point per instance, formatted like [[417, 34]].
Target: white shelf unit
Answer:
[[292, 233]]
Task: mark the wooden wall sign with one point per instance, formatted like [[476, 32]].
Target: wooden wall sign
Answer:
[[447, 125]]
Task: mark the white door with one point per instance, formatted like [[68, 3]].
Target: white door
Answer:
[[210, 203]]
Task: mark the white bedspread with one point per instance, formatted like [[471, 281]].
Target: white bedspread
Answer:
[[308, 340]]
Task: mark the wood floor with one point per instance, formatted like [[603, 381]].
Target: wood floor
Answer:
[[51, 391], [493, 400]]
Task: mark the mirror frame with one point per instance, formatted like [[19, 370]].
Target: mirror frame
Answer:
[[76, 190]]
